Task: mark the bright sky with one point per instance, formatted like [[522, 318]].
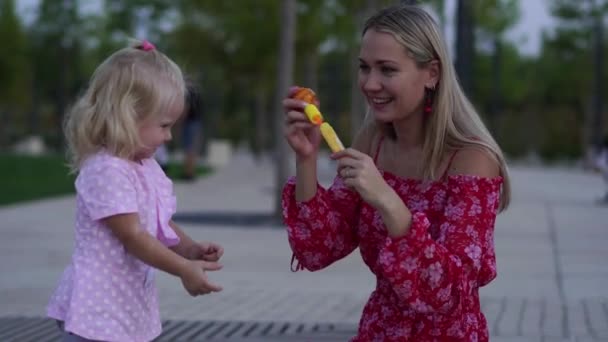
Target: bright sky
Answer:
[[527, 32]]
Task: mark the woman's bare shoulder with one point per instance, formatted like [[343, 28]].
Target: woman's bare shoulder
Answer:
[[475, 161]]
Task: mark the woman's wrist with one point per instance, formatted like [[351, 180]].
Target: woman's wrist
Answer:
[[395, 214]]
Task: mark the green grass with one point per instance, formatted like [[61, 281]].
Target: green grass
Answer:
[[25, 178]]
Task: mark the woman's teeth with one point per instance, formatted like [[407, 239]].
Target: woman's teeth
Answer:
[[381, 100]]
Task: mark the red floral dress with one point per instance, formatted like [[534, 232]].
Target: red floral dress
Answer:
[[428, 280]]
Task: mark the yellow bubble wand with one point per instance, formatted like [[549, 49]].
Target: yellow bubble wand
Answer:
[[315, 116]]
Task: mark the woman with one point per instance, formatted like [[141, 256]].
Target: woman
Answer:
[[418, 192]]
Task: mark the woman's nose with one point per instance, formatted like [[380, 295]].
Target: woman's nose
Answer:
[[371, 82]]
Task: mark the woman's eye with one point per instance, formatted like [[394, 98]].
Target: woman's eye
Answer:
[[388, 70]]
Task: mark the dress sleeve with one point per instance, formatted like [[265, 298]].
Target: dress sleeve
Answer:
[[321, 230], [437, 275], [107, 189], [166, 207]]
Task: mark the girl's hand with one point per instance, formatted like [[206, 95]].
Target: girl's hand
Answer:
[[194, 277], [303, 136], [359, 172], [205, 250]]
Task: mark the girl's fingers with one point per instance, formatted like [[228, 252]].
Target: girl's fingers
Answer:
[[212, 287]]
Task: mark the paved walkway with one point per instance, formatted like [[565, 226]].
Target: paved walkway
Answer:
[[551, 248]]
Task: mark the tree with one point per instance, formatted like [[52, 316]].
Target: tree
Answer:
[[284, 79], [56, 39], [14, 75], [465, 44], [582, 32], [236, 51], [493, 18]]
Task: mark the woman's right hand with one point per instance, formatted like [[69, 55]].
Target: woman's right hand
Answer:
[[194, 277], [302, 135]]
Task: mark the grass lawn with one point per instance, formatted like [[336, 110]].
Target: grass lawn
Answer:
[[24, 178]]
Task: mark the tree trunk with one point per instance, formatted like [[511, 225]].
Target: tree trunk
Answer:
[[465, 45], [311, 72], [357, 102], [34, 113], [261, 122], [284, 79], [496, 99], [598, 86]]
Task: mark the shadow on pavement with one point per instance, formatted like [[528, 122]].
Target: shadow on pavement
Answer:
[[244, 219]]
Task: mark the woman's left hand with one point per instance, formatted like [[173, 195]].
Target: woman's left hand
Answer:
[[359, 172]]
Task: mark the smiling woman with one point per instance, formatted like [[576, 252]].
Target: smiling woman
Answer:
[[417, 193]]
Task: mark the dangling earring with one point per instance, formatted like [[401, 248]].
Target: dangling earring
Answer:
[[429, 94]]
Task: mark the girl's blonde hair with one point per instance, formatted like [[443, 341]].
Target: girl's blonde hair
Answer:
[[131, 85], [454, 122]]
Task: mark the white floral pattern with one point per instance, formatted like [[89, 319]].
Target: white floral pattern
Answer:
[[429, 279]]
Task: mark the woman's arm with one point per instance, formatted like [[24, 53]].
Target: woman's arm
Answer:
[[437, 275], [321, 223]]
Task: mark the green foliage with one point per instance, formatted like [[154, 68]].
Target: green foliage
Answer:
[[230, 48], [20, 178], [14, 74]]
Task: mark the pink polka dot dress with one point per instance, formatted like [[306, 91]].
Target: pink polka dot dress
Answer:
[[105, 293], [427, 282]]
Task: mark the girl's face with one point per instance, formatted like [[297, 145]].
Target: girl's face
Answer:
[[155, 130], [389, 78]]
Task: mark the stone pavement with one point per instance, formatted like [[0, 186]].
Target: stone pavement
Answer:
[[551, 249]]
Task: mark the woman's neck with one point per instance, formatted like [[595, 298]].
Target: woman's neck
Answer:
[[409, 132]]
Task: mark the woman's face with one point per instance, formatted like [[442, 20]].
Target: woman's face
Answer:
[[389, 78]]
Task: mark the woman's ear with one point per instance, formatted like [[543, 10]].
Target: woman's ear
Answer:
[[434, 72]]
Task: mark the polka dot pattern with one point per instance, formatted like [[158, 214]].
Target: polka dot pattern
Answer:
[[105, 293]]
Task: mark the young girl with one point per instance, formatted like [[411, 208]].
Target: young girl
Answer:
[[123, 227], [418, 193]]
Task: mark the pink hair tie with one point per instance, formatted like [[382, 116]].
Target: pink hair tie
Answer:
[[147, 46]]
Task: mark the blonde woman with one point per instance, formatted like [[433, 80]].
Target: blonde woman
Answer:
[[124, 203], [418, 192]]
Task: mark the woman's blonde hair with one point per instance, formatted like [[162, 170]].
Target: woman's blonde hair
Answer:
[[131, 85], [454, 122]]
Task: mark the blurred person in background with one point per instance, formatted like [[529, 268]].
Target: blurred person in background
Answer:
[[601, 165], [191, 131]]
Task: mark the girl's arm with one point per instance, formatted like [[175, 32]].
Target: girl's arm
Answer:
[[185, 241], [144, 246], [107, 187], [195, 250]]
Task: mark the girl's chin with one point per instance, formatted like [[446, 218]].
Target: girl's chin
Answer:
[[143, 155]]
